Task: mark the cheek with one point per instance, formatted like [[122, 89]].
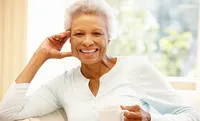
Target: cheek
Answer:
[[73, 49], [103, 42], [73, 45], [74, 42]]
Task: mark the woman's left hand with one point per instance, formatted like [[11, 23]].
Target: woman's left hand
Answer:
[[135, 113]]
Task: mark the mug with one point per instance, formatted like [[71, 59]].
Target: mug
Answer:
[[111, 113]]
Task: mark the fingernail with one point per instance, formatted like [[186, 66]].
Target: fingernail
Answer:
[[57, 39]]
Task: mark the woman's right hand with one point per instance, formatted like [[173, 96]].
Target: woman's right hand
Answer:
[[51, 46]]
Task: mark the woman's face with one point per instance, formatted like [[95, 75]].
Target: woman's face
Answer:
[[89, 38]]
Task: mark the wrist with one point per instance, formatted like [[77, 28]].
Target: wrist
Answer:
[[32, 67], [42, 54]]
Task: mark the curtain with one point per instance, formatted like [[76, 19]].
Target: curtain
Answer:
[[13, 31]]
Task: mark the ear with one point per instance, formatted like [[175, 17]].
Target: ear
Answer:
[[70, 34], [70, 40]]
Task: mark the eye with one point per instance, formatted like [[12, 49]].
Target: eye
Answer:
[[78, 34], [97, 33]]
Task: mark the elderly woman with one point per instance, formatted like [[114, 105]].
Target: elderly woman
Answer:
[[130, 82]]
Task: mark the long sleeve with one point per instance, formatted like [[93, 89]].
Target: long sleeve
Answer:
[[158, 93], [17, 105]]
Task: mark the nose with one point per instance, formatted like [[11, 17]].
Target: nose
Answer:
[[88, 41]]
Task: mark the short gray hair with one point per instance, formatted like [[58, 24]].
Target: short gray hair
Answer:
[[94, 7]]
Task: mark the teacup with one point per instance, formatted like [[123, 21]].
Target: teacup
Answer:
[[111, 113]]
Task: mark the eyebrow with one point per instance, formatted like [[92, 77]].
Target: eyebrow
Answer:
[[96, 28], [77, 30]]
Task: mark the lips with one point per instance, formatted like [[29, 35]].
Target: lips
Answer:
[[88, 51]]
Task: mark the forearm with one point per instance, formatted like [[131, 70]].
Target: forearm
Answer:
[[13, 101], [32, 67], [16, 104]]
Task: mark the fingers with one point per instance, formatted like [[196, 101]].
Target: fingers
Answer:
[[60, 55], [65, 54], [131, 108], [64, 40], [57, 41], [61, 36], [133, 115], [126, 119]]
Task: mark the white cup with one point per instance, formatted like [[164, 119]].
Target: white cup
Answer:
[[111, 113]]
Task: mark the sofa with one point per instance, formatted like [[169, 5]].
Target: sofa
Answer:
[[191, 97]]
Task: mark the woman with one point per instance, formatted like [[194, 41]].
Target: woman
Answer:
[[100, 80]]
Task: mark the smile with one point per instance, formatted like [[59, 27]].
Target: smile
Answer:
[[88, 51]]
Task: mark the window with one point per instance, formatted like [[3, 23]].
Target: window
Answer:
[[164, 30]]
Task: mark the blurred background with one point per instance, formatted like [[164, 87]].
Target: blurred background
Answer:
[[167, 31]]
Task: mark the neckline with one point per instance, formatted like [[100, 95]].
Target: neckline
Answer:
[[107, 75]]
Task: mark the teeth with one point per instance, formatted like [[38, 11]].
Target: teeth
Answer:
[[88, 51]]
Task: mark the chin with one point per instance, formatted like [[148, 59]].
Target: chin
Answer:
[[89, 61]]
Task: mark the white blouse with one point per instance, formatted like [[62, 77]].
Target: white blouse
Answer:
[[133, 80]]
